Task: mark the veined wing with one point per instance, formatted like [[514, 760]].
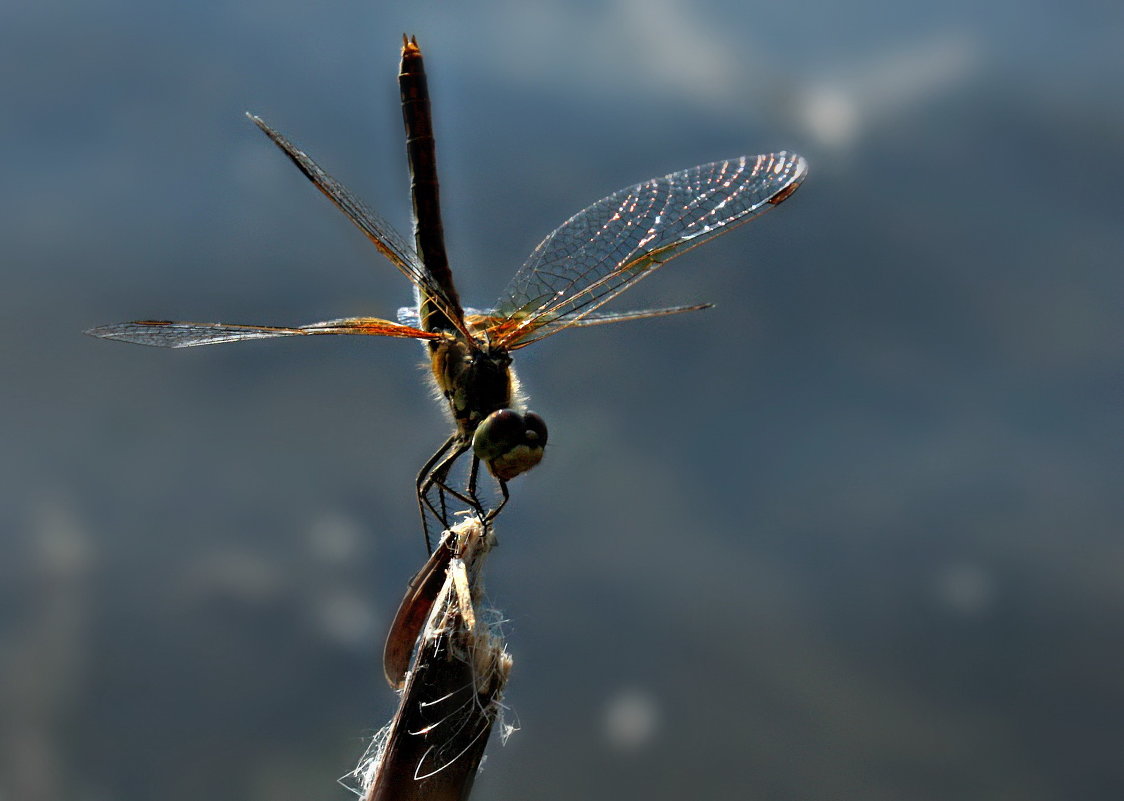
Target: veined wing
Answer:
[[603, 318], [384, 237], [604, 249], [493, 321], [490, 320], [165, 334]]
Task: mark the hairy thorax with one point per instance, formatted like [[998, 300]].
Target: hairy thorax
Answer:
[[474, 382], [483, 397]]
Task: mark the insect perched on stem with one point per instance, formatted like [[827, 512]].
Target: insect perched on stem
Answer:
[[583, 264]]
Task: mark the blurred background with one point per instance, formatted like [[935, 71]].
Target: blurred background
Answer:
[[855, 533]]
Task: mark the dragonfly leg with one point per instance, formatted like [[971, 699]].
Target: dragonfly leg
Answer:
[[422, 486], [506, 497], [472, 476], [473, 471], [434, 474], [438, 477]]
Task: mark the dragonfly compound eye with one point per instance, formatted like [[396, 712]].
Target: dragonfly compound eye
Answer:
[[509, 443]]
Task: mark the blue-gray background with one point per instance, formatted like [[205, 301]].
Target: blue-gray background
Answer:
[[853, 534]]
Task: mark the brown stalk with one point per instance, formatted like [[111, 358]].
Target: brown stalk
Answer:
[[452, 692]]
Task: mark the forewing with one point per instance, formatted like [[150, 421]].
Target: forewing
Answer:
[[165, 334], [384, 237], [606, 248]]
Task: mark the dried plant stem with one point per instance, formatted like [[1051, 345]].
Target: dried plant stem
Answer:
[[452, 693]]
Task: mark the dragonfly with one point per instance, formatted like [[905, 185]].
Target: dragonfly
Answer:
[[582, 265]]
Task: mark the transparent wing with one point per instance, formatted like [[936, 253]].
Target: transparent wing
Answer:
[[165, 334], [384, 237], [602, 318], [491, 321], [604, 249], [408, 315]]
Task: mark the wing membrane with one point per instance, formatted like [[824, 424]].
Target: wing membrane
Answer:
[[606, 248], [166, 334], [384, 237], [491, 321]]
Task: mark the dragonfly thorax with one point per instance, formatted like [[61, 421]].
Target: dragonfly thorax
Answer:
[[480, 387], [475, 381]]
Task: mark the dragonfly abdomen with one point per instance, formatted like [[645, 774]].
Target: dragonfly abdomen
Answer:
[[429, 232]]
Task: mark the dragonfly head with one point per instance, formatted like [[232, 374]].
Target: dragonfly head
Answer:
[[509, 443]]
